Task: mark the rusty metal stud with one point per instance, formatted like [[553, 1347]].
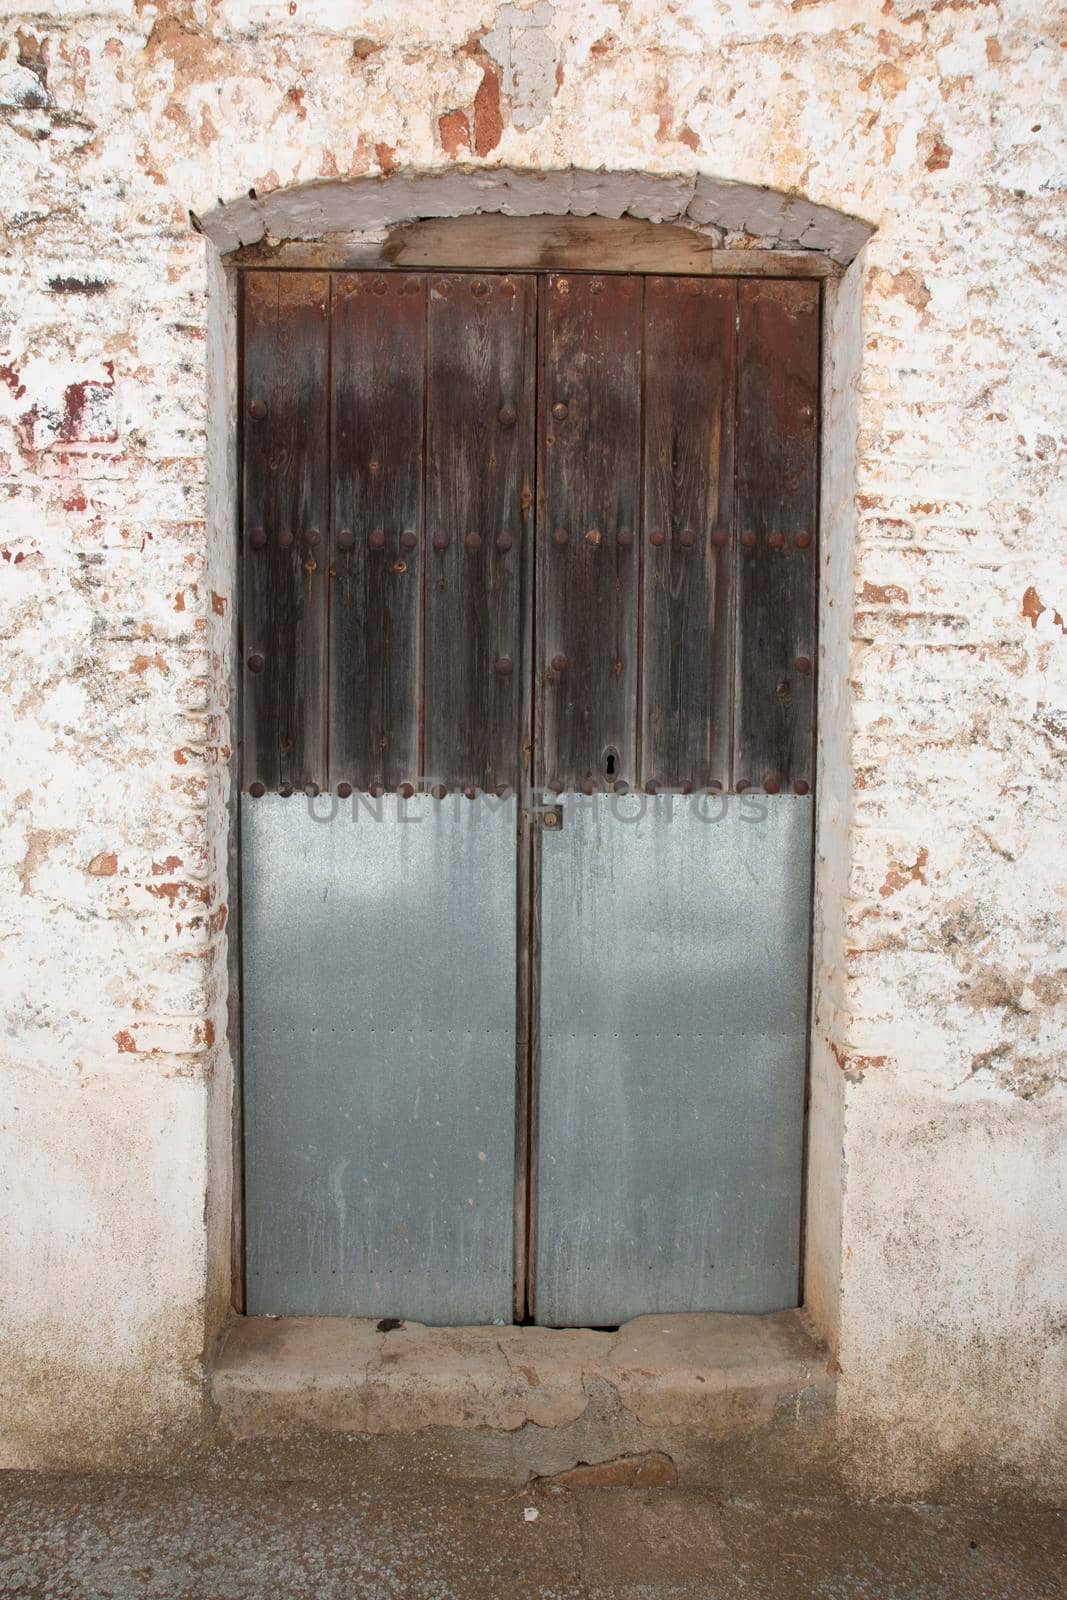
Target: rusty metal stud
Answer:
[[473, 541], [377, 539], [741, 785], [479, 288], [802, 541], [561, 535], [311, 536], [801, 786], [719, 538], [406, 790], [560, 663], [471, 794], [626, 537], [440, 542], [593, 536], [687, 537], [714, 787], [775, 541], [503, 790], [559, 410], [620, 786], [257, 790], [772, 786], [658, 538], [504, 667], [408, 540], [256, 662], [285, 538], [311, 790], [374, 791], [257, 408], [802, 664], [344, 791], [504, 541], [286, 791], [588, 786], [748, 539], [345, 539], [652, 788], [687, 786], [439, 792], [507, 416], [257, 538]]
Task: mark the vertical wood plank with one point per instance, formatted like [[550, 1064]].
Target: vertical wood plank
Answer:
[[378, 361], [588, 545], [480, 472], [285, 525], [690, 354], [777, 532]]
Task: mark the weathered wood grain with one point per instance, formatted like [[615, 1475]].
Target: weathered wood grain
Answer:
[[378, 384], [588, 537], [690, 355], [777, 529], [480, 470], [285, 527]]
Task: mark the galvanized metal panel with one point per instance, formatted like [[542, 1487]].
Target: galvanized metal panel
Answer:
[[673, 1009], [379, 1057]]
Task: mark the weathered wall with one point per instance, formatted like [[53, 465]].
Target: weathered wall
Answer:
[[937, 1194]]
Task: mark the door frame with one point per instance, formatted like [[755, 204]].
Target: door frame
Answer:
[[497, 244]]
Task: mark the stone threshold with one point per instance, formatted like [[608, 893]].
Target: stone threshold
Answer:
[[711, 1374]]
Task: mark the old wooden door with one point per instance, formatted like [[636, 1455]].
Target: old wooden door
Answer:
[[529, 621]]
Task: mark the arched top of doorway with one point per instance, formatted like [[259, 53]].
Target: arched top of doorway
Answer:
[[713, 208]]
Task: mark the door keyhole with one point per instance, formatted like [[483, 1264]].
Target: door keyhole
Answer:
[[611, 763]]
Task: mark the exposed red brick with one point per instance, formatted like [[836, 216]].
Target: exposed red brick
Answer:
[[454, 130], [104, 865], [488, 120], [1032, 607]]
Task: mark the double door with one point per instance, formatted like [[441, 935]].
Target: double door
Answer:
[[529, 578]]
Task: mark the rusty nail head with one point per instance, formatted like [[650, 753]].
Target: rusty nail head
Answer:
[[257, 790], [345, 539], [503, 541], [286, 790], [471, 794], [561, 536], [504, 667], [559, 410], [718, 538], [256, 662], [407, 540], [507, 416], [503, 790], [311, 536], [560, 663], [741, 785], [714, 787], [748, 539], [771, 785], [651, 788], [473, 541], [311, 790], [802, 541], [285, 538], [593, 536], [555, 787], [803, 664], [776, 540], [480, 287], [659, 537], [440, 541], [688, 537], [801, 786], [377, 539], [626, 537], [257, 538], [440, 792], [344, 791], [620, 786], [588, 786], [406, 791], [258, 408]]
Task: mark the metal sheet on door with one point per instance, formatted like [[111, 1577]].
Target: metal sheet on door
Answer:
[[379, 989]]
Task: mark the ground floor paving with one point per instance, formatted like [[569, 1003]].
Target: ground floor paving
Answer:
[[214, 1537]]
